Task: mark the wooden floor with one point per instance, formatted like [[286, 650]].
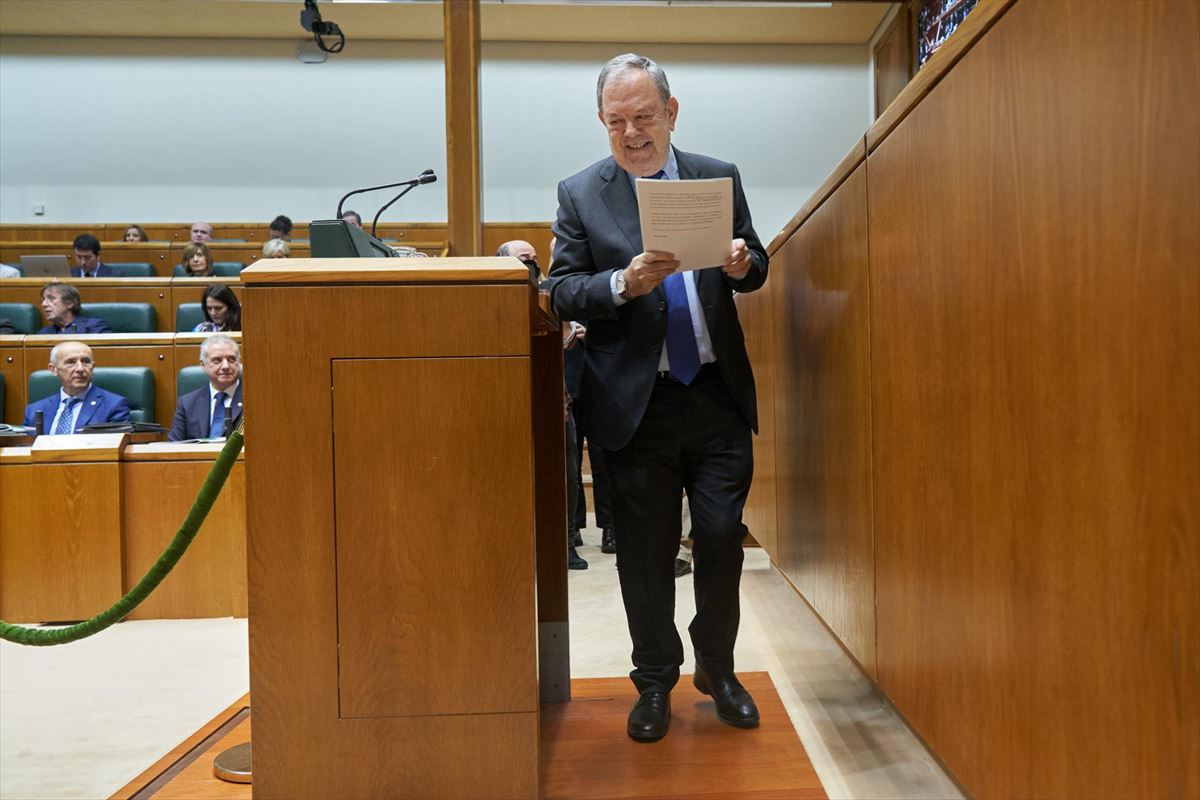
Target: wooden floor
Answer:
[[584, 751]]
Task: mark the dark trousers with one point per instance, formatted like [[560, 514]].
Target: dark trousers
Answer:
[[601, 493], [572, 458], [691, 437]]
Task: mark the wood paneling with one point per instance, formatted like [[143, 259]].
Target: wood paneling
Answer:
[[976, 24], [83, 517], [12, 367], [158, 493], [413, 591], [60, 540], [1035, 297], [464, 190], [823, 416], [756, 313], [849, 163], [292, 540], [701, 757], [893, 59]]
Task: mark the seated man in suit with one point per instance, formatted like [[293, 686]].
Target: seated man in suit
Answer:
[[64, 311], [201, 414], [87, 259], [78, 403]]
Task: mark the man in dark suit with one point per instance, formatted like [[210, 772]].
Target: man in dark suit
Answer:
[[78, 403], [669, 391], [201, 414], [87, 259], [63, 308]]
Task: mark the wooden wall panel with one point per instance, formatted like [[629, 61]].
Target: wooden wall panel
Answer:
[[419, 625], [823, 416], [1035, 275], [60, 541], [210, 580], [756, 313], [12, 367]]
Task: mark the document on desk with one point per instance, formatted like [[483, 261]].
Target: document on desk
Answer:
[[692, 219]]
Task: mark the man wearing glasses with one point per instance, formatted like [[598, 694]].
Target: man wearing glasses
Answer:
[[670, 391]]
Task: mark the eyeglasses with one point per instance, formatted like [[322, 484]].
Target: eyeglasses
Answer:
[[640, 121]]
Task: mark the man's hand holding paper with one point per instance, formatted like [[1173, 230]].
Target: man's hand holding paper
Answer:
[[692, 220]]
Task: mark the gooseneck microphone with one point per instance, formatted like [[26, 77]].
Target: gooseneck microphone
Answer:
[[425, 177]]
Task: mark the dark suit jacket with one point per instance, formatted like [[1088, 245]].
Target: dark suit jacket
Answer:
[[98, 406], [596, 232], [193, 414], [102, 271], [80, 325]]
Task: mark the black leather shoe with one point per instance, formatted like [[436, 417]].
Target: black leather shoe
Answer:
[[574, 560], [650, 717], [682, 567], [608, 541], [734, 704], [575, 539]]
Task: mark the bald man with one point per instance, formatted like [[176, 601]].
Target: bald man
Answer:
[[524, 252], [78, 403]]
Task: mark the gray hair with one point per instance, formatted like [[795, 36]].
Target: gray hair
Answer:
[[273, 246], [502, 250], [54, 351], [627, 63], [215, 339]]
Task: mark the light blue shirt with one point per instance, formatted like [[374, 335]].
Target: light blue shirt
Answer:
[[75, 409], [699, 325]]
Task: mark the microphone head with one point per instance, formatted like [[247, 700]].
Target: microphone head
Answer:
[[427, 177]]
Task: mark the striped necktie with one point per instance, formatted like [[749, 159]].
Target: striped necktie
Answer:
[[65, 422]]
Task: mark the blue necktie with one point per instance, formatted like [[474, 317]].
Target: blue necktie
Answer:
[[217, 427], [681, 338], [64, 426]]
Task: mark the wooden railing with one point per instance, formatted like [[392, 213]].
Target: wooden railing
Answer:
[[979, 356]]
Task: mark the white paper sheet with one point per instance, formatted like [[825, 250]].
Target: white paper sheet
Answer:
[[692, 219]]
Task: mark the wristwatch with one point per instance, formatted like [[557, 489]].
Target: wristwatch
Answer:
[[621, 286]]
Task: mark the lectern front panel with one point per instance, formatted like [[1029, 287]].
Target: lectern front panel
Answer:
[[418, 565]]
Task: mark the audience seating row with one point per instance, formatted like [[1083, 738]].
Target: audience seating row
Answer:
[[222, 231], [168, 364], [163, 295]]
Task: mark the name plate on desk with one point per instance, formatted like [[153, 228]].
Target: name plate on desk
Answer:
[[79, 447]]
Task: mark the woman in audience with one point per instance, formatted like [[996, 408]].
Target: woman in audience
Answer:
[[276, 248], [222, 311], [280, 228], [136, 233], [197, 261]]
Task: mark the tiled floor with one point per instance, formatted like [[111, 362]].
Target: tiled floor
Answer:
[[80, 720]]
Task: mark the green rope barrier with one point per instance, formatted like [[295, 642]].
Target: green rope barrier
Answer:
[[154, 576]]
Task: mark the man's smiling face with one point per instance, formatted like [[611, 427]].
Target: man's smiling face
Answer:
[[639, 123]]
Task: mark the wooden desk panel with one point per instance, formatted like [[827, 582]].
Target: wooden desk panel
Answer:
[[12, 367], [210, 580], [154, 351], [824, 416], [72, 558], [60, 540]]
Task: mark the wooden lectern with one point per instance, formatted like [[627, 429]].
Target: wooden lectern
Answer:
[[405, 523]]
